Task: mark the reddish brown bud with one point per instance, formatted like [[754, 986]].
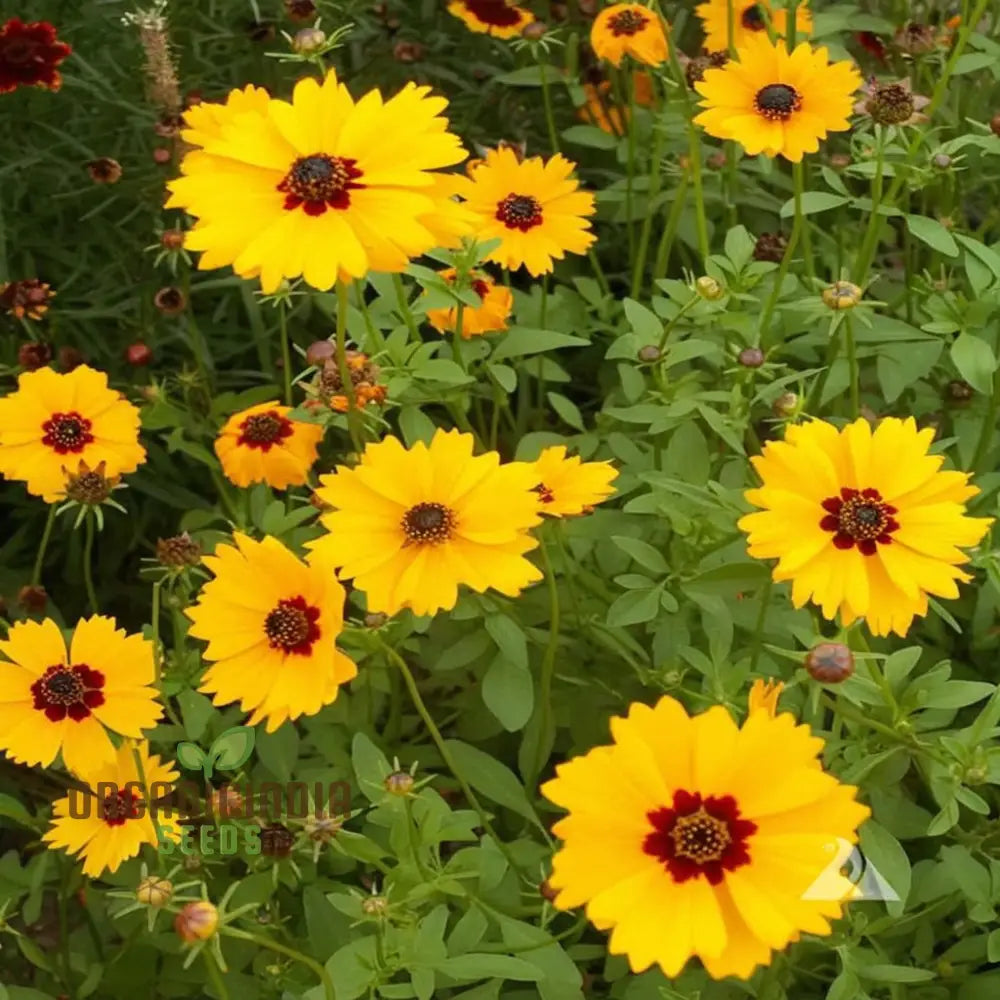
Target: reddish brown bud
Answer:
[[534, 31], [138, 354], [751, 357], [70, 358], [172, 239], [407, 52], [546, 891], [648, 354], [33, 355], [104, 170], [170, 301], [276, 840], [995, 124], [959, 391], [319, 351], [830, 663], [300, 10], [162, 155], [33, 599]]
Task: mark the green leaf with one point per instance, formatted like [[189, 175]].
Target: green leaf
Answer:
[[233, 747], [196, 710], [190, 756], [520, 341], [644, 322], [509, 638], [813, 202], [973, 357], [509, 693], [568, 411], [993, 946], [415, 425], [487, 775], [635, 607], [12, 809], [529, 76], [931, 232], [590, 135], [643, 553], [958, 694], [969, 875], [371, 767], [278, 751], [489, 966], [895, 974]]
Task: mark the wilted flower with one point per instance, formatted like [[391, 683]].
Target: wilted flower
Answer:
[[179, 551], [891, 103], [104, 170], [225, 801], [33, 599], [842, 295], [328, 385], [29, 55], [914, 38], [170, 301], [33, 355], [70, 358], [197, 921], [89, 487], [770, 247], [321, 828], [694, 69], [27, 299], [276, 840]]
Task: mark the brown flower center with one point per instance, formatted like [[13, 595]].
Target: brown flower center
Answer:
[[890, 104], [628, 22], [264, 430], [71, 691], [861, 518], [319, 182], [291, 626], [428, 523], [698, 836], [495, 12], [67, 432], [519, 211], [753, 18], [119, 806], [777, 102]]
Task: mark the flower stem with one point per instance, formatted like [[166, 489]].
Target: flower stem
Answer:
[[630, 175], [286, 353], [88, 549], [36, 573], [347, 384], [638, 272], [852, 363], [989, 426], [550, 118], [798, 176], [870, 241], [758, 632], [215, 976], [439, 742], [404, 308], [281, 949], [670, 229], [546, 730], [155, 615], [779, 278]]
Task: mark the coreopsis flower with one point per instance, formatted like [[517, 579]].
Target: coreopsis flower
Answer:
[[694, 69], [490, 316], [892, 103], [567, 485], [533, 207], [750, 19], [53, 699], [629, 29], [683, 841], [862, 522], [109, 822], [321, 187], [410, 525], [773, 101], [27, 299], [271, 623], [54, 421], [29, 55], [262, 445], [600, 109], [497, 18]]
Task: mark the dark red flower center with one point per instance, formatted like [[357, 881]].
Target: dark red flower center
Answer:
[[627, 22], [67, 432], [264, 430], [519, 211], [68, 691], [291, 626], [319, 182], [29, 55], [480, 287], [699, 836], [119, 806], [544, 493], [859, 517], [497, 13], [777, 101], [428, 523], [753, 18]]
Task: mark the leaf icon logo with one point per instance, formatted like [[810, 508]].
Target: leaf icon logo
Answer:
[[229, 750]]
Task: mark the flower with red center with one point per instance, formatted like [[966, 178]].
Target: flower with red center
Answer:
[[56, 699], [862, 522], [54, 421], [684, 842], [533, 206], [629, 29], [492, 17], [486, 306], [271, 623], [261, 444], [321, 186], [568, 486], [111, 817], [29, 55]]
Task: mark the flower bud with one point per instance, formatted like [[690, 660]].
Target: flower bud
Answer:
[[995, 124], [546, 891], [941, 160], [839, 160], [33, 599], [708, 288], [138, 354], [154, 891], [300, 10], [170, 301], [276, 840], [374, 906], [375, 619], [226, 801], [786, 405], [751, 357], [830, 663], [399, 783], [648, 354], [308, 40], [69, 358], [770, 247], [104, 170], [534, 31], [842, 295], [197, 921], [407, 52], [162, 155], [319, 351], [322, 828], [33, 355], [959, 391], [172, 239]]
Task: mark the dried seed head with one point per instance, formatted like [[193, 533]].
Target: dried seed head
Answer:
[[27, 299], [751, 357], [276, 840], [104, 170], [915, 39], [89, 486], [694, 69], [322, 828], [154, 891], [170, 301], [830, 663], [196, 921], [770, 247], [162, 88], [226, 801], [178, 551], [33, 355], [407, 52], [890, 103]]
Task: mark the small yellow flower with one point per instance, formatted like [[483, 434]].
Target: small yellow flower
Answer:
[[567, 485], [764, 696], [490, 316], [497, 18], [750, 19], [629, 29]]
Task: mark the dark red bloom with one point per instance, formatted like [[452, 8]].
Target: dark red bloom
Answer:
[[859, 517], [872, 44], [29, 55], [71, 691]]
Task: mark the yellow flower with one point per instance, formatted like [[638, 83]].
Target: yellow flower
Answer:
[[492, 17], [684, 839], [261, 445], [54, 422], [532, 207], [52, 699], [111, 821], [411, 525], [773, 101], [749, 19], [490, 316], [271, 623], [322, 187], [629, 29], [568, 485], [764, 695], [862, 522]]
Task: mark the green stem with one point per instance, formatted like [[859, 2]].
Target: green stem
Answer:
[[815, 398], [630, 174], [36, 572], [375, 342], [546, 733], [779, 278], [281, 949], [88, 549], [404, 309], [758, 632], [639, 270], [670, 229], [64, 949], [215, 975], [988, 428], [798, 176], [550, 118], [669, 325], [852, 363], [347, 383], [157, 659], [870, 241], [286, 352], [439, 742]]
